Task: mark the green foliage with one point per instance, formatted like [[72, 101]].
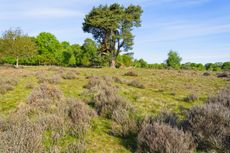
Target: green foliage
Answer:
[[48, 47], [112, 27], [193, 66], [141, 63], [72, 61], [124, 60], [17, 45], [173, 60], [213, 66], [157, 66], [226, 66]]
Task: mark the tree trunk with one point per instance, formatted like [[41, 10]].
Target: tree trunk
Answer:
[[113, 63], [17, 62]]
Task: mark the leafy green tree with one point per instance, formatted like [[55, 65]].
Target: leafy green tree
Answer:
[[48, 46], [226, 66], [213, 66], [89, 50], [112, 27], [16, 44], [72, 61], [76, 49], [173, 60], [141, 63], [193, 66], [124, 60]]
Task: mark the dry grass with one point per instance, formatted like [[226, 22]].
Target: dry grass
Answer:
[[111, 95]]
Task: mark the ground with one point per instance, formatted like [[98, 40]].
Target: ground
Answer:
[[162, 90]]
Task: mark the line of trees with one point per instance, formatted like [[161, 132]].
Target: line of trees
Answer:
[[44, 49]]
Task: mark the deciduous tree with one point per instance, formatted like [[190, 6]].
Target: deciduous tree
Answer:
[[16, 44]]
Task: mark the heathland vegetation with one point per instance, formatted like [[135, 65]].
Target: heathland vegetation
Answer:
[[64, 98]]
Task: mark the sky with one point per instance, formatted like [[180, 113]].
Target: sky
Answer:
[[199, 30]]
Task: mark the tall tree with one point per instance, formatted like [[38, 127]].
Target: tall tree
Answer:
[[48, 46], [173, 59], [112, 27], [17, 44]]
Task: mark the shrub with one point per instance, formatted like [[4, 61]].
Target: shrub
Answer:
[[223, 75], [45, 93], [130, 73], [162, 138], [125, 122], [7, 84], [136, 84], [165, 117], [69, 75], [117, 80], [223, 98], [79, 112], [210, 125], [105, 97], [206, 74], [48, 79], [191, 98], [22, 137], [76, 147]]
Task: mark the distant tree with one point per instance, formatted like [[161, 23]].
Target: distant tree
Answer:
[[112, 27], [72, 61], [48, 46], [173, 60], [141, 63], [213, 66], [124, 60], [76, 49], [193, 66], [16, 44], [89, 48], [226, 66]]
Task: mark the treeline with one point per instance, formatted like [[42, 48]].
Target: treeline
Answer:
[[45, 49]]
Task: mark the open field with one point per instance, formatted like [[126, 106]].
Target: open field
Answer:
[[149, 91]]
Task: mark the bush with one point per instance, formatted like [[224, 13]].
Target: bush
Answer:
[[80, 115], [164, 117], [210, 125], [48, 79], [223, 75], [7, 84], [206, 74], [125, 122], [69, 75], [162, 138], [79, 112], [191, 98], [130, 73], [223, 98], [136, 84], [105, 97], [22, 137], [45, 93]]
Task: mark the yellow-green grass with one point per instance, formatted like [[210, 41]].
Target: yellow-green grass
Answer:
[[164, 89]]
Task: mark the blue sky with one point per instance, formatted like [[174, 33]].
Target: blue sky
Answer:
[[199, 30]]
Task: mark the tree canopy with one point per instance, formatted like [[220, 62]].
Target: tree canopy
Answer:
[[16, 44], [112, 27], [173, 60]]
